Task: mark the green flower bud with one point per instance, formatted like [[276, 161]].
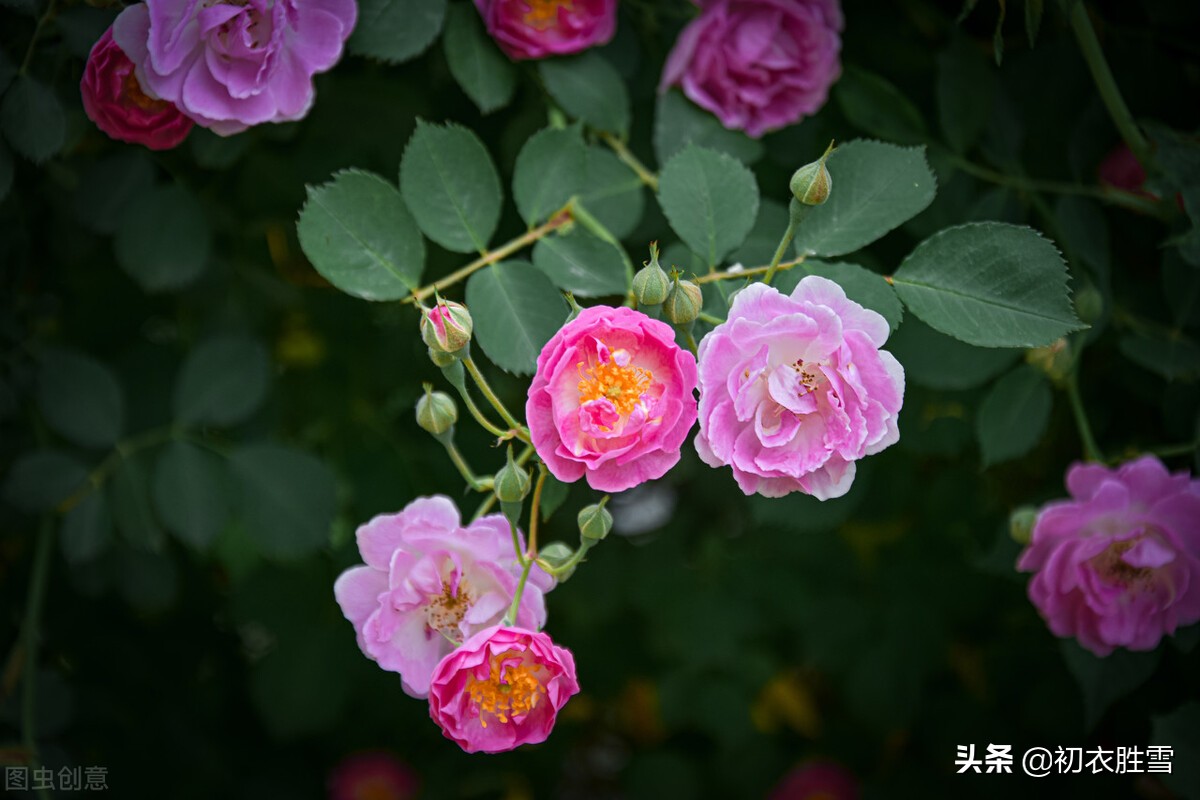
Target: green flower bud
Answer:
[[1089, 304], [511, 484], [554, 556], [811, 183], [441, 358], [1054, 360], [436, 412], [594, 522], [651, 284], [1020, 524], [683, 303], [447, 326]]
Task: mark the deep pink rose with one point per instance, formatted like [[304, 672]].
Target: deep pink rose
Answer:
[[612, 399], [538, 28], [758, 64], [793, 390], [503, 688], [234, 63], [1118, 565], [429, 583], [114, 100], [817, 780]]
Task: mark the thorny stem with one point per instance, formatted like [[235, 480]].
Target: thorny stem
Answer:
[[562, 217], [747, 273], [788, 235], [646, 176], [520, 431], [31, 634]]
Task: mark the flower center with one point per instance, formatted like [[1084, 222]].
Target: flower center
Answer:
[[543, 14], [1110, 566], [445, 611], [511, 688], [809, 379], [135, 95], [616, 379]]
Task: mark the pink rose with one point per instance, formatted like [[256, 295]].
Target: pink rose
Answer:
[[373, 775], [817, 780], [538, 28], [793, 390], [430, 583], [758, 64], [114, 100], [1118, 565], [503, 688], [612, 399]]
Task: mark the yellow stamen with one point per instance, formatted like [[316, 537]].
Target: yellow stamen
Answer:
[[444, 612], [511, 689], [623, 386], [543, 14], [135, 95]]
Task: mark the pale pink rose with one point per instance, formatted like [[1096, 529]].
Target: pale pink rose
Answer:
[[503, 688], [794, 390], [758, 64], [612, 399], [429, 584], [526, 29], [1118, 565]]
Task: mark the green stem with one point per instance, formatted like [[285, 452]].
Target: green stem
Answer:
[[31, 634], [511, 616], [570, 564], [788, 235], [37, 32], [1090, 450], [709, 318], [630, 160], [534, 508], [491, 397], [123, 449], [1089, 45], [484, 422], [748, 273], [516, 541], [691, 342], [464, 469]]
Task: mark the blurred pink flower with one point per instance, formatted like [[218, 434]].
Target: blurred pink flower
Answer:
[[114, 100], [817, 780], [758, 64], [612, 399], [526, 29], [793, 390], [1120, 169], [503, 688], [1118, 565], [429, 583], [373, 775]]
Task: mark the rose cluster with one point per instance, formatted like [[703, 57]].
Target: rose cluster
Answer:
[[166, 65]]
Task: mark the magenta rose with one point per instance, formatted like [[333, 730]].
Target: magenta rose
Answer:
[[1118, 565], [229, 65], [503, 688], [429, 583], [794, 390], [817, 780], [538, 28], [114, 100], [758, 64], [612, 399]]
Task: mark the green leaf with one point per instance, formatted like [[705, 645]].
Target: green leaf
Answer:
[[998, 33], [516, 310], [6, 171], [938, 361], [86, 530], [358, 233], [129, 491], [1033, 19], [710, 199], [40, 480], [8, 71], [287, 499], [483, 72], [1180, 730], [163, 240], [760, 244], [550, 168], [396, 30], [554, 493], [989, 284], [80, 398], [861, 285], [191, 494], [582, 264], [588, 88], [679, 122], [1175, 358], [1013, 415], [1084, 232], [109, 186], [218, 152], [450, 184], [876, 107], [1103, 681], [965, 85], [612, 193], [222, 382], [32, 119], [876, 187]]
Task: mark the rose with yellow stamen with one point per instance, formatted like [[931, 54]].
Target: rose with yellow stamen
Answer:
[[612, 399], [503, 688], [526, 29]]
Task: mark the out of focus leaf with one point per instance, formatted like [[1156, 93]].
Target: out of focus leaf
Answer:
[[32, 119], [109, 186], [483, 72], [938, 361], [129, 491], [287, 499], [965, 84], [223, 381], [1174, 358], [192, 494], [678, 122], [588, 88], [164, 240], [1013, 415], [1180, 731], [86, 530], [396, 30], [876, 107], [40, 480], [80, 398], [1103, 681]]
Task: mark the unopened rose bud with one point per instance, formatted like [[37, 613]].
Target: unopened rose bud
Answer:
[[651, 283], [441, 358], [511, 484], [555, 555], [436, 412], [1020, 524], [447, 326], [594, 522], [1089, 304], [811, 184], [683, 303]]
